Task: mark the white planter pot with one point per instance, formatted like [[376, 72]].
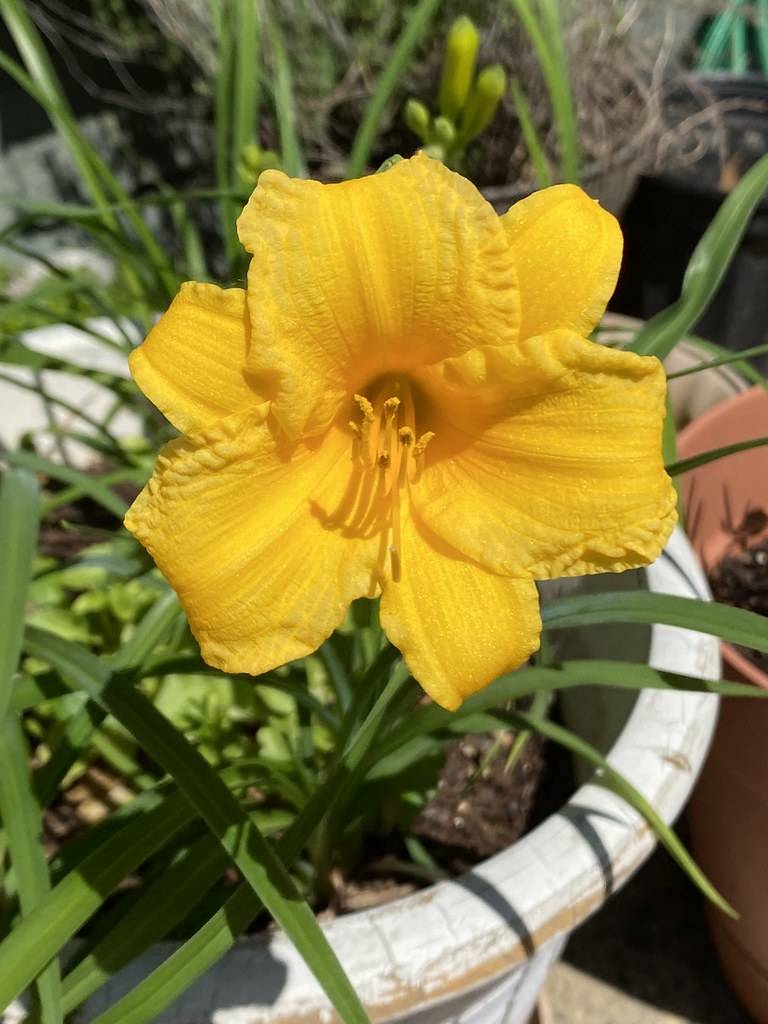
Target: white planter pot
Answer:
[[476, 950]]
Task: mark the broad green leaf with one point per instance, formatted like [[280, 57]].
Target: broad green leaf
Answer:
[[412, 34], [19, 506], [20, 813], [707, 267]]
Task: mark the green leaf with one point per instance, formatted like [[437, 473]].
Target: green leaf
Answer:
[[162, 906], [531, 137], [545, 33], [18, 535], [611, 779], [20, 814], [735, 625], [93, 486], [707, 267], [291, 156], [216, 804], [686, 465], [217, 935], [413, 32], [526, 681], [724, 360], [44, 931]]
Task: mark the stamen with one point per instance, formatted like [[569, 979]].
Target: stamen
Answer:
[[421, 444], [385, 439]]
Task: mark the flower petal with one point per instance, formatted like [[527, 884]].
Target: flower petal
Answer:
[[191, 364], [561, 474], [231, 520], [354, 280], [567, 250], [457, 625]]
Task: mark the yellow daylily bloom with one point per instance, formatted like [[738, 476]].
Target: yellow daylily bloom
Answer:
[[401, 403]]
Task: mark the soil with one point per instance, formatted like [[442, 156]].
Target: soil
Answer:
[[481, 807], [741, 580], [68, 530]]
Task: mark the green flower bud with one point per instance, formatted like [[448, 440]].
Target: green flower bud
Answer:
[[458, 67], [417, 118], [483, 102], [443, 132]]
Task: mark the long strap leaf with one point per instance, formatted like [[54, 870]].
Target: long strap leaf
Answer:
[[215, 803], [707, 267]]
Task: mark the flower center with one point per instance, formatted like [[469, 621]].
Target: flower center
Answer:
[[388, 456]]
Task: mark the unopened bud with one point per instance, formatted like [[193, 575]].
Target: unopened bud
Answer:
[[443, 132], [483, 102], [417, 118], [458, 67]]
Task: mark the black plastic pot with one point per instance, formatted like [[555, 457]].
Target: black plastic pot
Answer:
[[668, 215]]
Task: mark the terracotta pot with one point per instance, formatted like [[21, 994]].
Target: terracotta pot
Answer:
[[729, 809]]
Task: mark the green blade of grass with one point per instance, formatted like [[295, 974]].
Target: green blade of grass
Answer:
[[527, 681], [160, 908], [686, 465], [291, 156], [723, 360], [545, 34], [531, 137], [19, 507], [88, 484], [42, 933], [20, 813], [707, 266], [735, 625], [413, 32]]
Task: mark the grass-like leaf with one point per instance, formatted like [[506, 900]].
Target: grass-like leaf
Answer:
[[686, 465], [412, 34], [19, 506], [608, 777], [707, 267], [20, 814], [215, 803]]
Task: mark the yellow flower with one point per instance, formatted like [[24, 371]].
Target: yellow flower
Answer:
[[401, 403]]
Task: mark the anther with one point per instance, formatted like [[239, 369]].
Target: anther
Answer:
[[406, 436], [391, 406], [365, 407], [422, 443], [383, 459]]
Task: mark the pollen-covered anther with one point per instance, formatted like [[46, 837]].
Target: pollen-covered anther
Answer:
[[422, 443]]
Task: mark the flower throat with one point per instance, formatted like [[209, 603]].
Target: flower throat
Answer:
[[388, 456]]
